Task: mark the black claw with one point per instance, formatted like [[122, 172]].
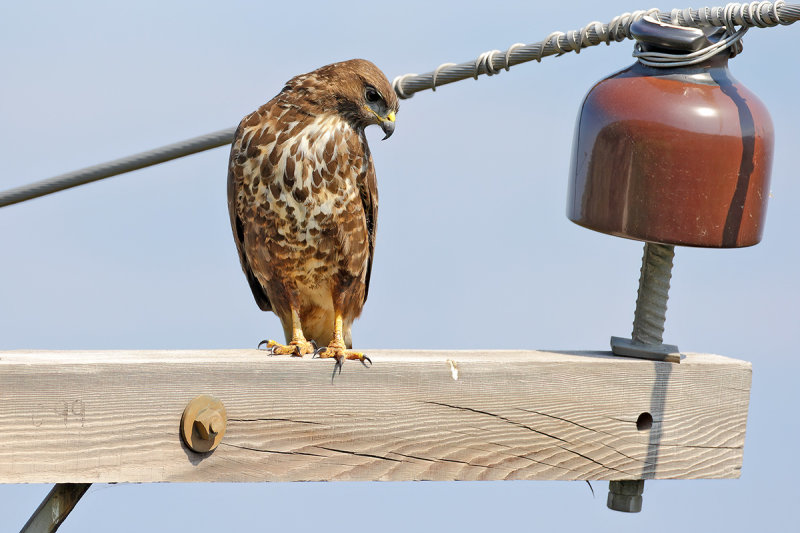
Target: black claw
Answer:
[[319, 350], [265, 341], [368, 360], [338, 365], [314, 344], [298, 351], [272, 349]]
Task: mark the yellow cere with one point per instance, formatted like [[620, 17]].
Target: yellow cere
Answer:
[[389, 117]]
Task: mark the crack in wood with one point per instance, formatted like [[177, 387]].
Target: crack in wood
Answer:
[[349, 452], [700, 446], [562, 419], [612, 448], [263, 450], [499, 417], [414, 457], [276, 420], [524, 426], [535, 461], [442, 460]]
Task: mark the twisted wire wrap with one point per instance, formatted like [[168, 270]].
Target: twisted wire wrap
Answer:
[[397, 83], [668, 60], [755, 14], [484, 62], [436, 73], [510, 49], [651, 301]]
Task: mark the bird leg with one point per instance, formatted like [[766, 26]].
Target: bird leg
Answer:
[[297, 347], [337, 349]]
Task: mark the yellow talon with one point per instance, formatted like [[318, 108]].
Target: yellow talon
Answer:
[[296, 348]]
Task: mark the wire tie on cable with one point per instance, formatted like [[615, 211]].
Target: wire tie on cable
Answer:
[[554, 42], [509, 51], [436, 73], [397, 85]]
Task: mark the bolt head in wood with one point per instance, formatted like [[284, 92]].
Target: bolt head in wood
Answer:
[[203, 423]]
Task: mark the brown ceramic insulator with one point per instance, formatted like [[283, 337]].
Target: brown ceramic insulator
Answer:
[[673, 155]]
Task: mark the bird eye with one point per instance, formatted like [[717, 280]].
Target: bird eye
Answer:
[[372, 95]]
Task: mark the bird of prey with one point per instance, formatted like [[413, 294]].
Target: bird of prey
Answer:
[[303, 203]]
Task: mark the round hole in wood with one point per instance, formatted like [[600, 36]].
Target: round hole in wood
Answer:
[[644, 422]]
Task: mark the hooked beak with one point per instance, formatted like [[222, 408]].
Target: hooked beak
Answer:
[[387, 125]]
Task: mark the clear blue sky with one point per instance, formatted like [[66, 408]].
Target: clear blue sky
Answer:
[[146, 260]]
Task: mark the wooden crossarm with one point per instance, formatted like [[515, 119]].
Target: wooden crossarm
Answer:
[[113, 416]]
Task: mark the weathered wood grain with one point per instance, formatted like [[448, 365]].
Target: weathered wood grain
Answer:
[[415, 415]]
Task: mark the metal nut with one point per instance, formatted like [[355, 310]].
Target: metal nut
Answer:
[[625, 496], [203, 423], [208, 423]]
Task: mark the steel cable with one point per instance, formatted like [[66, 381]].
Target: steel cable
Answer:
[[755, 14], [117, 166]]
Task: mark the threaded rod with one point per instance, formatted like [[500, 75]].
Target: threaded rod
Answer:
[[651, 302]]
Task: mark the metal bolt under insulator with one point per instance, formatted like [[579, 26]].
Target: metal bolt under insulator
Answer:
[[645, 342], [651, 309]]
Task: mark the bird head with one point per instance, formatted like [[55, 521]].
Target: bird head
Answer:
[[360, 93]]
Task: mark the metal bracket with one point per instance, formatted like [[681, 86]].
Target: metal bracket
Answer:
[[55, 508], [653, 352]]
